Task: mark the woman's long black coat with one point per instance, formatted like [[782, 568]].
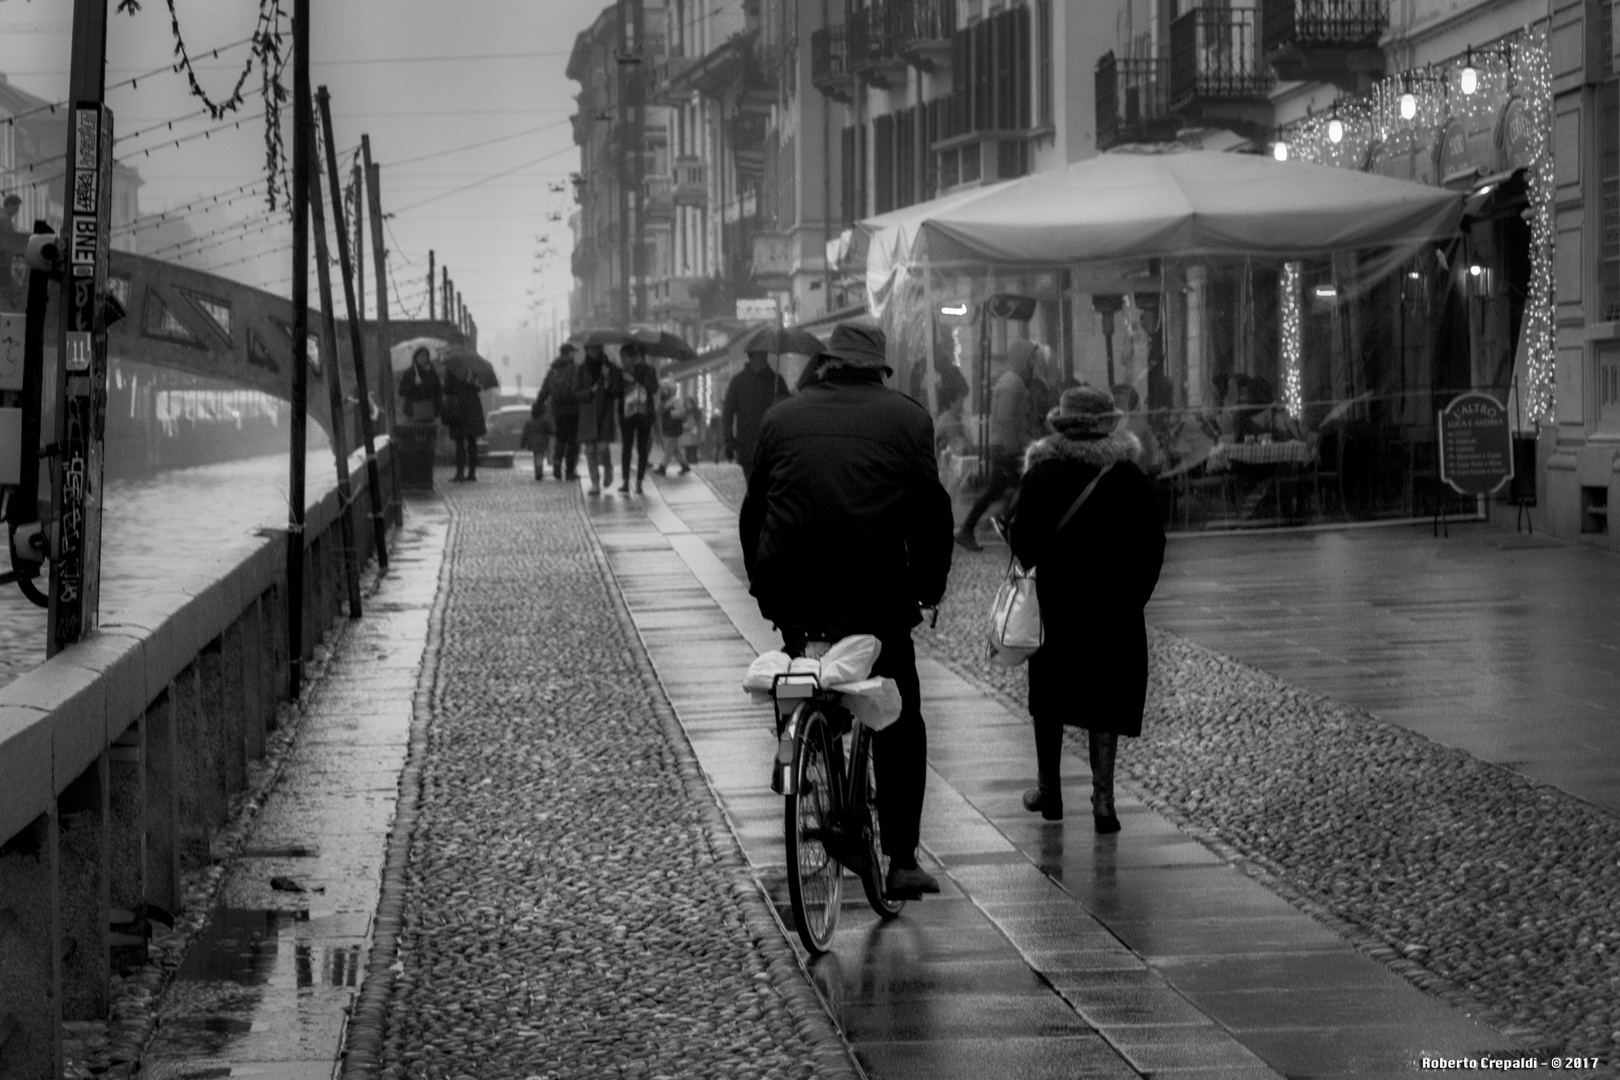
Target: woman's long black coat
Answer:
[[1093, 579]]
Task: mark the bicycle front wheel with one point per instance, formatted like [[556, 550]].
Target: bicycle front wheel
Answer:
[[815, 880], [871, 837]]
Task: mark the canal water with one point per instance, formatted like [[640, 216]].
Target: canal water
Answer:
[[164, 528]]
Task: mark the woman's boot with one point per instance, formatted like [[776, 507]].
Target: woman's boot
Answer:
[[591, 468], [1104, 748], [1046, 798]]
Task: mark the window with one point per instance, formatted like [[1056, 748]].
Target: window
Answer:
[[1608, 390], [1043, 58], [883, 164], [1608, 116]]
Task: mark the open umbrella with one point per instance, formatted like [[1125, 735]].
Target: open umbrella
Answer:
[[467, 365], [777, 340], [652, 342], [400, 355]]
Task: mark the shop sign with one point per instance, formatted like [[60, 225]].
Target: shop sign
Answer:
[[1476, 444], [1516, 136], [757, 310]]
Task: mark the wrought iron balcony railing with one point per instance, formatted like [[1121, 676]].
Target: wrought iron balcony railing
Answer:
[[1133, 101], [1215, 56], [1323, 23]]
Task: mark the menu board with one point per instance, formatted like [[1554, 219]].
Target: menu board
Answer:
[[1476, 444]]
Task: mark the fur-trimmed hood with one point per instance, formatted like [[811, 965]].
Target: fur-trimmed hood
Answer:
[[1111, 449]]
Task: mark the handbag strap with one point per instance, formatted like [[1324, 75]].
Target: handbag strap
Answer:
[[1081, 501]]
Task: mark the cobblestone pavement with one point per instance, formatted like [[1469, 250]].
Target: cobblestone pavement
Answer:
[[574, 906], [1478, 884]]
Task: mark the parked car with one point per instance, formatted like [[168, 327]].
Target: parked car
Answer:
[[506, 428]]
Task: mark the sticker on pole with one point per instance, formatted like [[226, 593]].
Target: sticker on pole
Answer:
[[78, 350], [1476, 444]]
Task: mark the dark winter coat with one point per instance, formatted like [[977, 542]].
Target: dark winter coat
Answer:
[[953, 385], [845, 525], [748, 395], [420, 386], [556, 398], [1093, 579], [463, 409], [598, 389]]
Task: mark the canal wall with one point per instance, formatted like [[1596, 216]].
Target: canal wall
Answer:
[[118, 760]]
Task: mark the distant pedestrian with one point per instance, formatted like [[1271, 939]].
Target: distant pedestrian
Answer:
[[752, 390], [420, 392], [598, 388], [1013, 426], [672, 422], [638, 412], [953, 385], [464, 416], [8, 218], [1096, 575], [557, 398]]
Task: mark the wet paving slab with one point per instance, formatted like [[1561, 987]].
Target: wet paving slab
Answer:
[[265, 990], [1052, 952], [1542, 639]]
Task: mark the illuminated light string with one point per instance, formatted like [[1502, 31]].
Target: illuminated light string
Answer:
[[1401, 113], [1293, 395]]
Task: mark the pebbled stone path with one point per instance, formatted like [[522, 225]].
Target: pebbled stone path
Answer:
[[573, 904]]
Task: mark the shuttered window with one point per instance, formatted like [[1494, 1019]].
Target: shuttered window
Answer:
[[883, 164]]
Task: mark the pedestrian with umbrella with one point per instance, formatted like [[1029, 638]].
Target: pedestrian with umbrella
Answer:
[[598, 390], [420, 391], [638, 411], [751, 391], [465, 374], [557, 399]]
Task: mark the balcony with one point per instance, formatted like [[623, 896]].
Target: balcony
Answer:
[[876, 35], [582, 261], [829, 63], [660, 205], [925, 31], [1133, 102], [772, 264], [1217, 78], [674, 297], [690, 182], [1331, 41], [669, 83]]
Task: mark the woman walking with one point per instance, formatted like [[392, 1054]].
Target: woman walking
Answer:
[[600, 386], [464, 416], [672, 417], [1096, 575], [638, 409]]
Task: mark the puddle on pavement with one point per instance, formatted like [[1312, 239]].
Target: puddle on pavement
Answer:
[[264, 976]]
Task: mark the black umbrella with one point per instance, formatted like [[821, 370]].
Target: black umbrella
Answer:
[[652, 342], [468, 366], [777, 340]]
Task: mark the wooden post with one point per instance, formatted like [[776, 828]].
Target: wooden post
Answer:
[[433, 307], [334, 391], [81, 373], [380, 274], [303, 139], [357, 337]]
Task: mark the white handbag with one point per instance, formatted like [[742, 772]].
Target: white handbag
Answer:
[[1015, 616]]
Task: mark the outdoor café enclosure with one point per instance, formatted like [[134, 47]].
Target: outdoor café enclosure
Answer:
[[1280, 333]]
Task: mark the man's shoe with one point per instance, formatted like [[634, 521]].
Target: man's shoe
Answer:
[[1049, 804], [965, 538], [909, 883], [624, 488]]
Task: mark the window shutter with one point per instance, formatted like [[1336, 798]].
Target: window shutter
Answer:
[[883, 164]]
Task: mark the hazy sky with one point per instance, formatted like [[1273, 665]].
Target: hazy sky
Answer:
[[421, 76]]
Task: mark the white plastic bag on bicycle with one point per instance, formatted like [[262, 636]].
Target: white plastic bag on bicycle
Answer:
[[763, 671], [849, 660], [874, 702]]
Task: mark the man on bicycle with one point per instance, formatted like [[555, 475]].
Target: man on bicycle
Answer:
[[845, 530]]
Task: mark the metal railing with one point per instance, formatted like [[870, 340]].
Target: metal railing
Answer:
[[1214, 54], [924, 20], [874, 35], [1133, 101], [1323, 22]]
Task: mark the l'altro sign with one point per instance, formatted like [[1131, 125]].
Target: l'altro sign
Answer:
[[1476, 444]]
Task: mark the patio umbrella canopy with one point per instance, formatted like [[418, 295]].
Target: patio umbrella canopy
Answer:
[[1132, 205]]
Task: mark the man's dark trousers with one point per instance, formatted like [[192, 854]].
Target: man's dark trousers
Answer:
[[900, 750], [566, 441], [1006, 468]]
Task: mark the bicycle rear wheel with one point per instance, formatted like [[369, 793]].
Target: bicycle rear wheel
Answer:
[[815, 879], [871, 838]]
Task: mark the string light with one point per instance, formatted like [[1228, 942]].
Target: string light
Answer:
[[1407, 114], [1293, 396]]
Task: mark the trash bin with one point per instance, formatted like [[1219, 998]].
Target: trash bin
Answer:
[[417, 442]]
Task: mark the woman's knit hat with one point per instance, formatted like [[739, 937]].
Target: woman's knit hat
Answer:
[[1085, 412]]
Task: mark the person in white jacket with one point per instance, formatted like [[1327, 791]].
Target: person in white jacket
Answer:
[[1013, 426]]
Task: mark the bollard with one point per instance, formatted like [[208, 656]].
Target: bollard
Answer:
[[30, 956], [82, 899]]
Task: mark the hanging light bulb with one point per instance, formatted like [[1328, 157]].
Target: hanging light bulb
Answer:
[[1280, 151], [1408, 105], [1336, 130], [1469, 80]]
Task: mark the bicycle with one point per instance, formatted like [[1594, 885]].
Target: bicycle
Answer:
[[830, 816]]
